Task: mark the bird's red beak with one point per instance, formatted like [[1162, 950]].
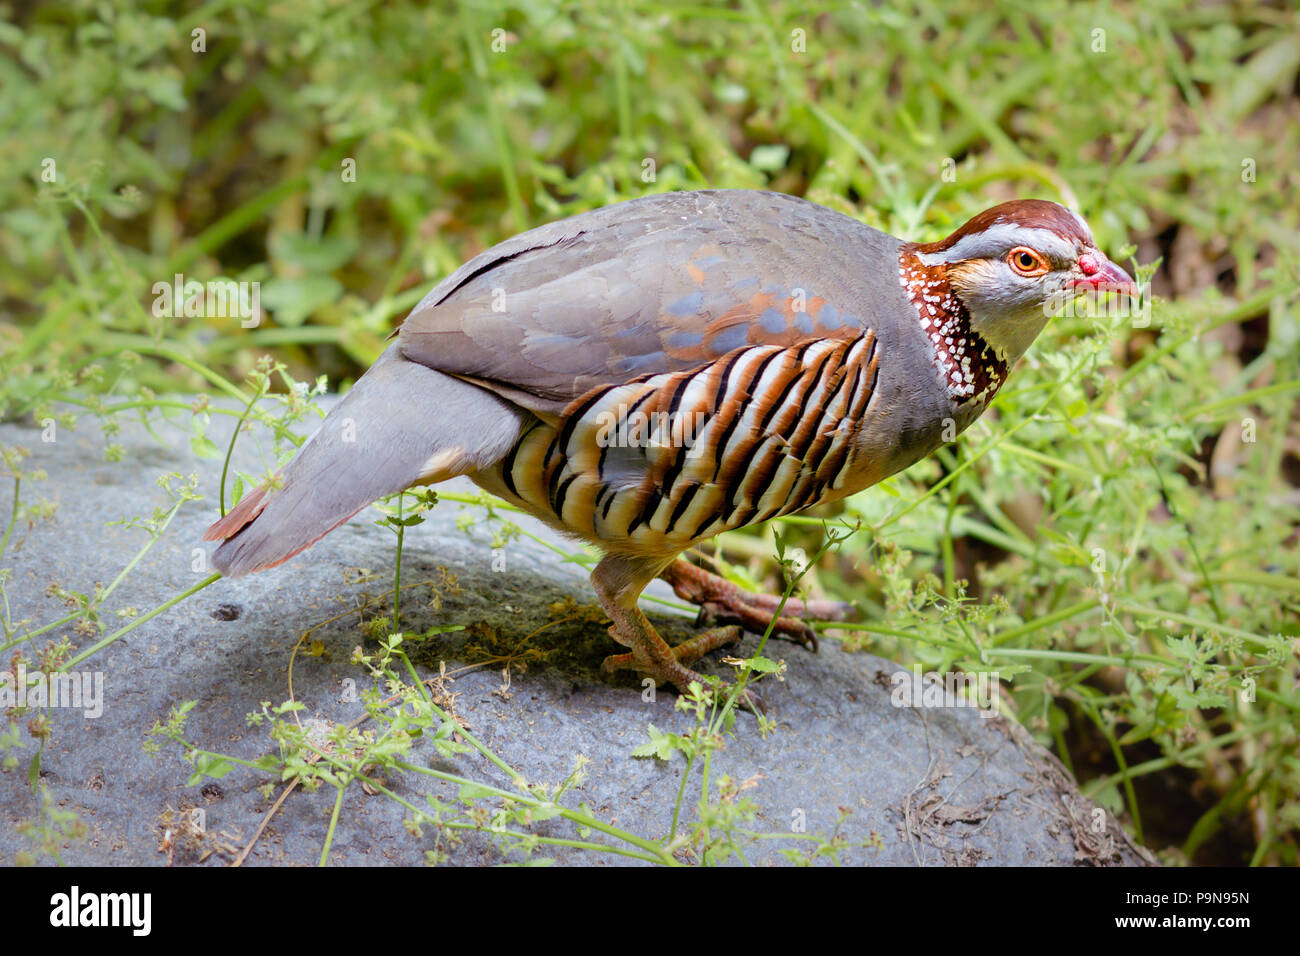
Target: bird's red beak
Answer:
[[1103, 275]]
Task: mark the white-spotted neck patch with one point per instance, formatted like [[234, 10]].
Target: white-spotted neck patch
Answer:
[[966, 363]]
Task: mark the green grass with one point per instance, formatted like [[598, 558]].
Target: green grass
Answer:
[[1117, 537]]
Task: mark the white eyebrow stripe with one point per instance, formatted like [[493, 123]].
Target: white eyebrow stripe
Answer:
[[999, 238], [1083, 226]]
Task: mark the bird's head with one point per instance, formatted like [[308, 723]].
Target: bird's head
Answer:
[[1010, 268]]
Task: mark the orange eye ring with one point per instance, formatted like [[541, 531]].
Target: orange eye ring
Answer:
[[1027, 262]]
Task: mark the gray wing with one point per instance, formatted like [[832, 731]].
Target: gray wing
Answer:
[[659, 284]]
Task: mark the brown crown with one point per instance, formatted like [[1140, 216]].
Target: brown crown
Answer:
[[1031, 213]]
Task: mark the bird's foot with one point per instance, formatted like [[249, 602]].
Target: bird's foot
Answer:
[[720, 601], [671, 665]]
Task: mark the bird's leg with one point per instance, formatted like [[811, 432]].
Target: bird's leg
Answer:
[[619, 581], [720, 600]]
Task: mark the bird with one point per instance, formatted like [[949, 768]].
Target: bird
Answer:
[[646, 375]]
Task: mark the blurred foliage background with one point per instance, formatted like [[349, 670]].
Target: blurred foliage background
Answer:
[[1117, 537]]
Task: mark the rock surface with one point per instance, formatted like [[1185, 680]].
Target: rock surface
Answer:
[[935, 785]]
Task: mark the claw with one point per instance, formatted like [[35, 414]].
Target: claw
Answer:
[[676, 671], [619, 581], [722, 601]]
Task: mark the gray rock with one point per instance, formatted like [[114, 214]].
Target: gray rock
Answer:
[[934, 785]]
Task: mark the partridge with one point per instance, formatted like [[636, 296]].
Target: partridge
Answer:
[[647, 375]]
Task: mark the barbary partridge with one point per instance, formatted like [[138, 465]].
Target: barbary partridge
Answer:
[[647, 375]]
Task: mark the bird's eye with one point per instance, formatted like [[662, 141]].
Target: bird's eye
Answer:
[[1026, 261]]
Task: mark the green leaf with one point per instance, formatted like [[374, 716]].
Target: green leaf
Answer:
[[661, 745], [890, 488], [204, 447], [1137, 734], [316, 256], [545, 812], [763, 665], [771, 158], [207, 765], [293, 300], [469, 792]]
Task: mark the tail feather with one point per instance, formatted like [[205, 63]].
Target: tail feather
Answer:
[[402, 424], [249, 507]]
